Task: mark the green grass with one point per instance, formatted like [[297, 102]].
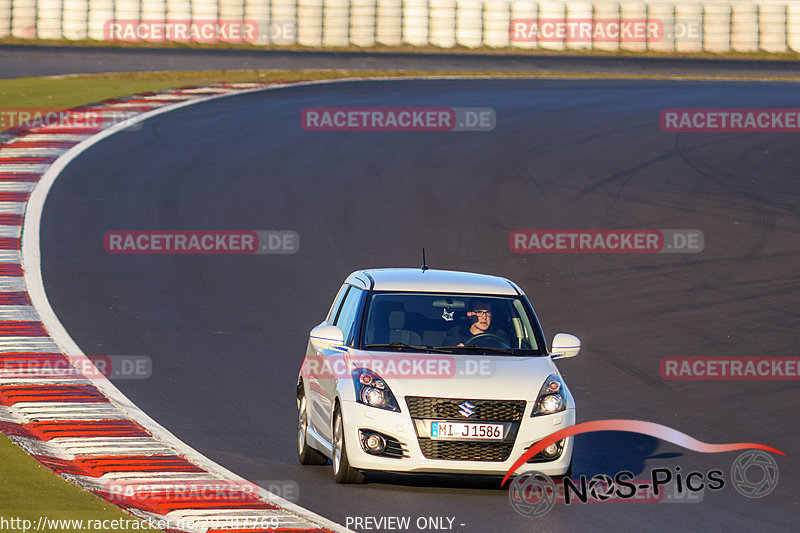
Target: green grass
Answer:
[[73, 90], [68, 91], [28, 491]]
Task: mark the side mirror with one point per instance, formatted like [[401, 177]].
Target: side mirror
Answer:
[[565, 345], [331, 334]]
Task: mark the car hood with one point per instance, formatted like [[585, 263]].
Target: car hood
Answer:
[[457, 376]]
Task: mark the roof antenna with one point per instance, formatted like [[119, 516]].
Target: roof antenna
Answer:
[[424, 264]]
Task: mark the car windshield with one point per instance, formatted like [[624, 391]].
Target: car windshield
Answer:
[[454, 323]]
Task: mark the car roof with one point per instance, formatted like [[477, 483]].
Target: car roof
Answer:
[[419, 280]]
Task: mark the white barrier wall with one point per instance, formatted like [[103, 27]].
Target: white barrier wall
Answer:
[[23, 19], [76, 19], [772, 28], [100, 12], [688, 35], [793, 26], [363, 23], [442, 23], [5, 17], [680, 25], [389, 22], [309, 18], [416, 20], [469, 23], [48, 19], [496, 24], [633, 11]]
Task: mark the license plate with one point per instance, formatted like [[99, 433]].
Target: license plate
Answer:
[[466, 430]]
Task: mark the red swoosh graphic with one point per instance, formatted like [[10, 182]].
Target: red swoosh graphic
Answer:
[[635, 426]]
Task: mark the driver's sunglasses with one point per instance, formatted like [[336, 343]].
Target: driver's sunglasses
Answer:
[[482, 313]]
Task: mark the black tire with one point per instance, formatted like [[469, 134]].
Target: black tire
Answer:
[[305, 453], [342, 471]]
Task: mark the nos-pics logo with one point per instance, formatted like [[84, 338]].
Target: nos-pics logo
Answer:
[[754, 474]]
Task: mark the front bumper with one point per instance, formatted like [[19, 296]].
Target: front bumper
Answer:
[[401, 426]]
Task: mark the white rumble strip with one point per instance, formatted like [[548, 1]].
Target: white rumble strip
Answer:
[[50, 137], [10, 231], [42, 151], [28, 344], [23, 167], [55, 380], [16, 208], [85, 429], [69, 449], [16, 186], [35, 411], [11, 284], [21, 313]]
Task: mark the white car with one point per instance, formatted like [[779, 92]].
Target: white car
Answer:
[[420, 370]]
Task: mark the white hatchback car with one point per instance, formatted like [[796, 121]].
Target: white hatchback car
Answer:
[[419, 370]]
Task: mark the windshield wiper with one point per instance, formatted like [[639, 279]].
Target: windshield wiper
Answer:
[[506, 351], [404, 346]]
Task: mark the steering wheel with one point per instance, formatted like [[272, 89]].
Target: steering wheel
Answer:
[[492, 336]]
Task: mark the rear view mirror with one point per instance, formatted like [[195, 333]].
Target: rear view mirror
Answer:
[[449, 304], [565, 345]]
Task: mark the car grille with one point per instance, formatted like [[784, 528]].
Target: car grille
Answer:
[[448, 409], [465, 451], [394, 448]]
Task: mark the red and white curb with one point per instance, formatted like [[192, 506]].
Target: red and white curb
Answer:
[[81, 427]]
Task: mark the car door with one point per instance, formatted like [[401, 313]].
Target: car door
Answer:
[[331, 360], [315, 366]]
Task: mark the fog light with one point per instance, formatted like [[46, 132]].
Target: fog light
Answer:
[[551, 451], [375, 443]]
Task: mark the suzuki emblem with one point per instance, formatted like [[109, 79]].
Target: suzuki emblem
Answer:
[[467, 409]]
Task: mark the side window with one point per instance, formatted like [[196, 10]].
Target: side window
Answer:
[[347, 315], [337, 302]]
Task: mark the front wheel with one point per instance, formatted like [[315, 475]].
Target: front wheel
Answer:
[[342, 471], [305, 453]]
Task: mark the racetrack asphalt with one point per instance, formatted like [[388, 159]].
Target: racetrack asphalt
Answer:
[[226, 333], [26, 60]]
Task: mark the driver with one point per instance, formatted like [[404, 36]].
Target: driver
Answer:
[[480, 317]]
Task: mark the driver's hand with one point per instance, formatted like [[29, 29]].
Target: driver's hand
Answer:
[[461, 344]]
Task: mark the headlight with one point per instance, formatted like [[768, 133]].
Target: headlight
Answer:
[[373, 391], [551, 397], [550, 404]]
